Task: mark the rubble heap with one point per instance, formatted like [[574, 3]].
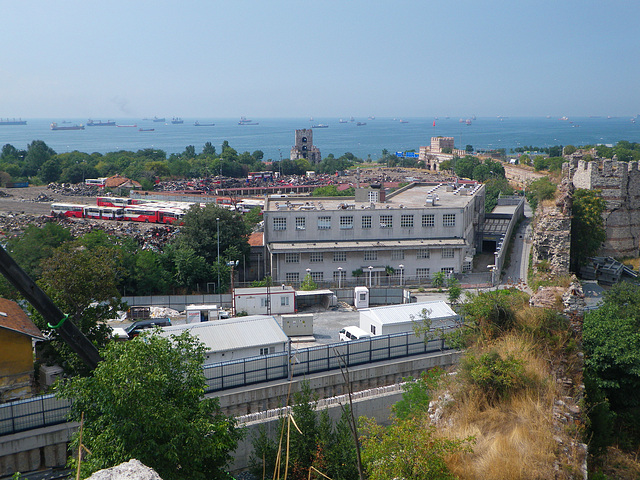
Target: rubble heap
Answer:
[[131, 470], [74, 189]]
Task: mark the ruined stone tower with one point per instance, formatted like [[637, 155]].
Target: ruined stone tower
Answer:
[[304, 147], [620, 186]]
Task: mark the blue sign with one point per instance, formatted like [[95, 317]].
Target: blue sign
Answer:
[[399, 154], [411, 155]]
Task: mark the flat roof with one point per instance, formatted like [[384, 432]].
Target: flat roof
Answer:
[[367, 245], [413, 196]]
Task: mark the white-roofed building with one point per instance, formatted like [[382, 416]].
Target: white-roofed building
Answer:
[[236, 338], [401, 318]]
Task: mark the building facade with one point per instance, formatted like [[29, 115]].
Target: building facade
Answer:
[[411, 233], [304, 147]]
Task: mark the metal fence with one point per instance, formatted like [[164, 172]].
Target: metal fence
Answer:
[[47, 410], [279, 366]]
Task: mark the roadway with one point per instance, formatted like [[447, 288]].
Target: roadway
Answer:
[[516, 273]]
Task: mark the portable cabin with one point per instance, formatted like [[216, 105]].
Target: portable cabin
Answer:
[[202, 313], [361, 297], [402, 318]]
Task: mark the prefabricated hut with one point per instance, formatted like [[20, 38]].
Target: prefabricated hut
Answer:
[[401, 318], [272, 300], [236, 338]]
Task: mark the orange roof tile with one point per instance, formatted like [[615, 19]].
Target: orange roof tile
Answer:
[[13, 318], [256, 239]]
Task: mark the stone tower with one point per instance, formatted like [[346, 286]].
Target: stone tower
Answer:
[[304, 147]]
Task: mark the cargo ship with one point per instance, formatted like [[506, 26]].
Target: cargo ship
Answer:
[[13, 121], [177, 121], [55, 126], [246, 121], [99, 123], [156, 119], [198, 124]]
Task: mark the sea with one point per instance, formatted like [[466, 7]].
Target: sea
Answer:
[[275, 136]]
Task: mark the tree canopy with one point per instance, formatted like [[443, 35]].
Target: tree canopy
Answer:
[[145, 401], [587, 226]]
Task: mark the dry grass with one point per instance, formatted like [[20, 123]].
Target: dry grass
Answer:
[[514, 438]]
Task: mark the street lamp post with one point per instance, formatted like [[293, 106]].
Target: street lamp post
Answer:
[[339, 277], [218, 262], [401, 267], [370, 270], [233, 264]]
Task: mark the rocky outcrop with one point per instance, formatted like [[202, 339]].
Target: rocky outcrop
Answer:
[[131, 470]]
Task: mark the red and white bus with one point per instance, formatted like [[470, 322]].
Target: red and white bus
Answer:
[[142, 213], [113, 202], [67, 209], [105, 213]]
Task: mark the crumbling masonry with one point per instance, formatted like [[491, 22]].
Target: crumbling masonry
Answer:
[[620, 186]]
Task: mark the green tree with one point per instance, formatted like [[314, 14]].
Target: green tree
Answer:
[[145, 401], [539, 190], [308, 283], [36, 244], [454, 290], [200, 232], [438, 280], [417, 395], [407, 449], [82, 283], [587, 226]]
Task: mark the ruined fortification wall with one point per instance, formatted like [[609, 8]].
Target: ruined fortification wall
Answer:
[[551, 239], [620, 186]]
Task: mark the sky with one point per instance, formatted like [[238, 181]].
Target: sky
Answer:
[[326, 58]]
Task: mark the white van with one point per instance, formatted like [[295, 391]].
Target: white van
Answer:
[[353, 333]]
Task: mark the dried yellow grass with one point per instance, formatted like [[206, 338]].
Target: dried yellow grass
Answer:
[[513, 439]]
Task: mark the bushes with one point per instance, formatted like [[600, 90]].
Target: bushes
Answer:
[[496, 377]]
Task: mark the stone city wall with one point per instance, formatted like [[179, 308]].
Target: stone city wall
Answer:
[[619, 183]]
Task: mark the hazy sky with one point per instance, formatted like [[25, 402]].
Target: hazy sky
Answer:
[[271, 58]]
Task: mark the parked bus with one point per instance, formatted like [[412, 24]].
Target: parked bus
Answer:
[[113, 201], [99, 182], [67, 209], [142, 213], [105, 213]]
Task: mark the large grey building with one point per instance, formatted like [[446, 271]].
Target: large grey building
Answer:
[[418, 230]]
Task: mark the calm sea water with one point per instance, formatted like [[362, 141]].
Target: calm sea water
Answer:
[[275, 137]]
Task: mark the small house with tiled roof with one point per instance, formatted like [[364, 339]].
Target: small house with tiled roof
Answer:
[[17, 333], [120, 184]]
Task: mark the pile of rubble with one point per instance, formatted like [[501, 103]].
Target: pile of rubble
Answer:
[[73, 189], [149, 237], [131, 470], [5, 194], [43, 197]]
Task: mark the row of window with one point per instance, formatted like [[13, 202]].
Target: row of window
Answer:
[[421, 273], [370, 255], [386, 221]]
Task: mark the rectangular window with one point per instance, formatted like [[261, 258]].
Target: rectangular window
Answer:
[[291, 258], [448, 253], [317, 276], [406, 221], [279, 223], [422, 273], [386, 221], [301, 223], [316, 257], [264, 301], [467, 266], [373, 329], [447, 270], [292, 277], [429, 220], [267, 350], [449, 220], [397, 254], [284, 301], [346, 223], [370, 255], [423, 253], [366, 221], [339, 256], [324, 223]]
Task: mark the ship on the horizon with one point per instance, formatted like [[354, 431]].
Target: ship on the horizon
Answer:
[[156, 119], [246, 121], [320, 125], [342, 121], [198, 124], [177, 121], [360, 124], [55, 126], [99, 123], [146, 129], [12, 121]]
